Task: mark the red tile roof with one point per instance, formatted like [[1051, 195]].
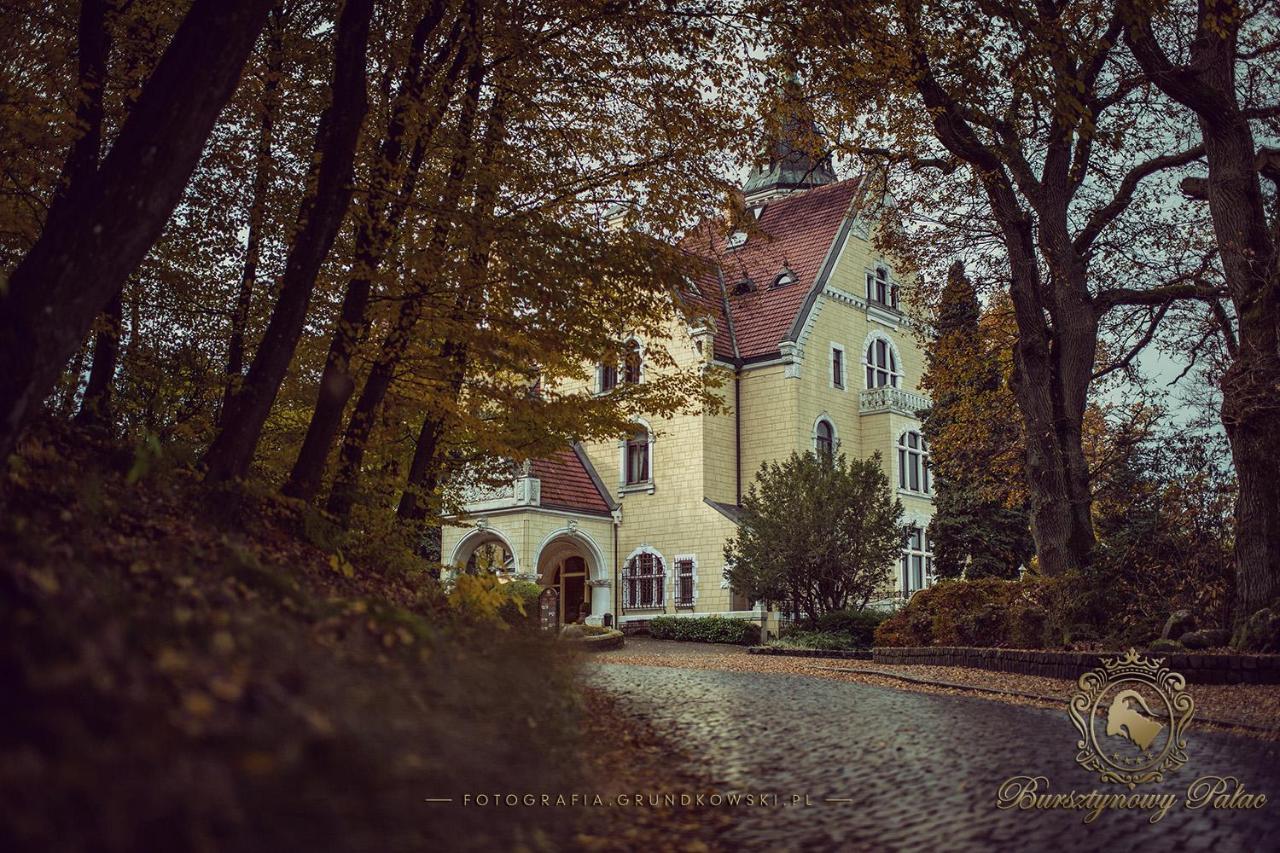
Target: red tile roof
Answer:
[[793, 233], [567, 483]]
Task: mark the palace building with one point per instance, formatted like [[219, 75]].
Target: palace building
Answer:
[[806, 318]]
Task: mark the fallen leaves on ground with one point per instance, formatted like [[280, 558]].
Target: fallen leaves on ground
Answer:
[[1254, 705]]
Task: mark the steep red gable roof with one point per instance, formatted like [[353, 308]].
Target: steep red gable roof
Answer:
[[567, 483], [794, 233]]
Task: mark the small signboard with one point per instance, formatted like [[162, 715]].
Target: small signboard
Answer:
[[549, 609]]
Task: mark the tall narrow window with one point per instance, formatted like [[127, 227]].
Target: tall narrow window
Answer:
[[881, 364], [608, 377], [631, 365], [882, 286], [917, 562], [637, 458], [684, 581], [913, 463], [837, 367], [824, 439], [643, 578]]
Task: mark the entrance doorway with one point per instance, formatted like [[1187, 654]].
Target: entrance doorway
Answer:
[[570, 578]]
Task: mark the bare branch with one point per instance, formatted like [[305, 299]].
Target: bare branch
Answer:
[[1103, 216], [945, 165], [1139, 346]]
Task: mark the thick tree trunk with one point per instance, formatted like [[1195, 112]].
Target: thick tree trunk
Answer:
[[91, 244], [94, 46], [1248, 250], [1251, 385], [270, 106], [319, 219], [381, 219]]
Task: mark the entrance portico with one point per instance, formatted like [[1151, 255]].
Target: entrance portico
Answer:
[[571, 561]]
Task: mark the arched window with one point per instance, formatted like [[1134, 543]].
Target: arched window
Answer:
[[878, 287], [643, 579], [631, 364], [636, 457], [824, 439], [913, 463], [917, 562], [881, 364]]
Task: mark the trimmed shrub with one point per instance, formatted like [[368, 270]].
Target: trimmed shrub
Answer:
[[859, 626], [705, 629], [986, 613], [820, 640]]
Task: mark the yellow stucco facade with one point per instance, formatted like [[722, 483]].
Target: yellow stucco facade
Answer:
[[700, 463]]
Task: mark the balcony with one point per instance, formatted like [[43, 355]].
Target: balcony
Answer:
[[886, 398]]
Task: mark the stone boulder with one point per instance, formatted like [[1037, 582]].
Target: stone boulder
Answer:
[[1179, 622], [1206, 638], [1261, 633], [1165, 646]]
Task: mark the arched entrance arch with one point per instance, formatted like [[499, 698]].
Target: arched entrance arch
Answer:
[[486, 545], [571, 561]]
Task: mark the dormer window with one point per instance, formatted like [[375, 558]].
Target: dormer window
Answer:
[[744, 286], [784, 278], [736, 240], [880, 290]]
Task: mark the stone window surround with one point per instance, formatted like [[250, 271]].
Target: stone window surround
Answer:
[[835, 433], [896, 372], [660, 587], [844, 368], [646, 485], [926, 479], [675, 580]]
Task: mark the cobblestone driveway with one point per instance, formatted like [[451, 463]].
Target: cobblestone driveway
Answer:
[[921, 770]]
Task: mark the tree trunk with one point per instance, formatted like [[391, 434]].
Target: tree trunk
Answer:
[[95, 409], [257, 207], [374, 236], [396, 342], [92, 243], [94, 46], [425, 469], [319, 218], [1250, 262]]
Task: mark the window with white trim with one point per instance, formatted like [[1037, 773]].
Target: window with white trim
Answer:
[[917, 562], [684, 581], [643, 578], [636, 458], [880, 290], [913, 463], [837, 366], [632, 364], [824, 438], [881, 364], [608, 376]]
